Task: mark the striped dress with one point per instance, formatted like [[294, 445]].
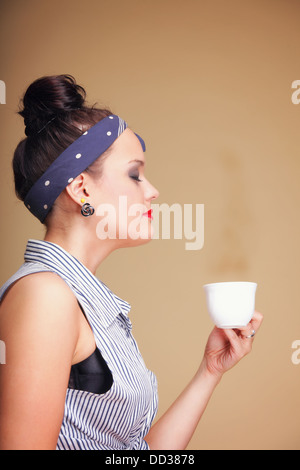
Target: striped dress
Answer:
[[120, 418]]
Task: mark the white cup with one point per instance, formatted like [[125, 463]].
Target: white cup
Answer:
[[230, 304]]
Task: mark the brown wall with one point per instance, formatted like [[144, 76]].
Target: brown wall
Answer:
[[208, 85]]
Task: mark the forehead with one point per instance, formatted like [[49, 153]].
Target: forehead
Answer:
[[126, 148]]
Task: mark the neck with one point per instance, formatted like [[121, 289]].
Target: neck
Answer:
[[82, 243]]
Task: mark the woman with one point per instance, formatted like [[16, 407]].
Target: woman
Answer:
[[74, 377]]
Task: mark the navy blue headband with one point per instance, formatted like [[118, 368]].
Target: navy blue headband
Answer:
[[73, 161]]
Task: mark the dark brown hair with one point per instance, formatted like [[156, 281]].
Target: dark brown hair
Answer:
[[55, 114]]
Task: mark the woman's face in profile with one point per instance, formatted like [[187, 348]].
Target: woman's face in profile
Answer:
[[122, 196]]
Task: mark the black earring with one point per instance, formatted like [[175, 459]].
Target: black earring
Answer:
[[87, 210]]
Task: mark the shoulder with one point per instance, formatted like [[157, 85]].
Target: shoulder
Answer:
[[40, 303], [38, 287]]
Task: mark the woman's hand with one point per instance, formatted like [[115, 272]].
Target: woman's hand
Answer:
[[225, 348]]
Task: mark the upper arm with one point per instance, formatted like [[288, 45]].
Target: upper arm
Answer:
[[38, 324]]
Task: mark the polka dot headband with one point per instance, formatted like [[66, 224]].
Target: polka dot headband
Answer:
[[73, 161]]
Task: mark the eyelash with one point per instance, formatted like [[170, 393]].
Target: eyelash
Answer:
[[136, 178]]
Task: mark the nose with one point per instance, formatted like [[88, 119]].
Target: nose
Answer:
[[151, 192]]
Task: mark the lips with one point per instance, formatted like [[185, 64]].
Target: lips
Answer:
[[149, 214]]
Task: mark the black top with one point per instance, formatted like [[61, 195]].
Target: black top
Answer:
[[91, 375]]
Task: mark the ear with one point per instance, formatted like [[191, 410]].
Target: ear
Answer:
[[77, 189]]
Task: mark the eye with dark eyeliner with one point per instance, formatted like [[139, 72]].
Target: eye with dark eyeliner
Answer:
[[136, 177], [134, 171]]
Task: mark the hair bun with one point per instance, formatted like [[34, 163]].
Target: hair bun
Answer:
[[48, 97]]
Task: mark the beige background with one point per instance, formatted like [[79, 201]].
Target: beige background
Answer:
[[208, 85]]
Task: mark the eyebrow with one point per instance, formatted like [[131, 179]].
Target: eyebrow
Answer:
[[140, 162]]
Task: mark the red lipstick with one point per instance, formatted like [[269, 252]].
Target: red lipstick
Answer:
[[149, 214]]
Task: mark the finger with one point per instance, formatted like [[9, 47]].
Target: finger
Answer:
[[249, 335], [240, 346], [233, 339], [256, 320], [253, 326], [246, 331]]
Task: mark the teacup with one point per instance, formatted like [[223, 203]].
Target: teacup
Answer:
[[230, 304]]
